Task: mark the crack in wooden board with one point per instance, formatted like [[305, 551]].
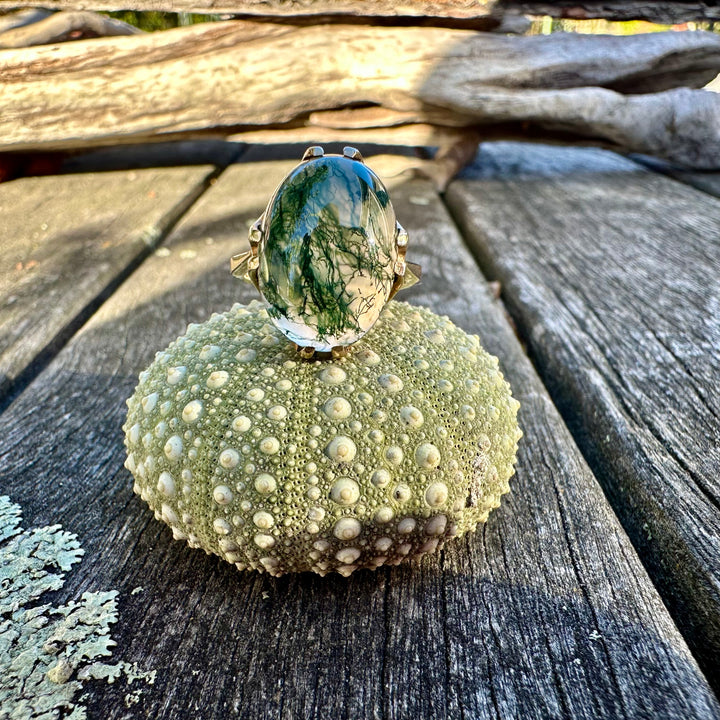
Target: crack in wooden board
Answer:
[[611, 273]]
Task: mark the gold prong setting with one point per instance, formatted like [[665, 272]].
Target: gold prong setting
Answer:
[[314, 151], [353, 154]]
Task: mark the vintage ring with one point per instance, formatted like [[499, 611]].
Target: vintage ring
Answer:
[[327, 253]]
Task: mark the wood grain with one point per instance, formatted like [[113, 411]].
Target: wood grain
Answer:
[[20, 18], [545, 613], [707, 181], [658, 11], [66, 243], [225, 78], [459, 13], [455, 13], [612, 274]]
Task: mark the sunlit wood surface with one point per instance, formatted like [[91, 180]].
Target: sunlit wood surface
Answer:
[[608, 273]]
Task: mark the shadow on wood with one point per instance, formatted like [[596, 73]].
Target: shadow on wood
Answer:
[[546, 612], [611, 274]]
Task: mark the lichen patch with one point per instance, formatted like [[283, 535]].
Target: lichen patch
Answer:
[[49, 651]]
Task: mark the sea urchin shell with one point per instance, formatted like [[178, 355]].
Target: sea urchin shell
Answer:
[[282, 465]]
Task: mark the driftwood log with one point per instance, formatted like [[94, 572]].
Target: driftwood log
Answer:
[[22, 17], [62, 26], [660, 11], [480, 14], [393, 84]]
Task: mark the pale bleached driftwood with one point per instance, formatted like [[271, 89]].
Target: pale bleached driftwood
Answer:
[[612, 274], [456, 146], [546, 612], [478, 14], [658, 11], [63, 26], [239, 76], [453, 13], [22, 17]]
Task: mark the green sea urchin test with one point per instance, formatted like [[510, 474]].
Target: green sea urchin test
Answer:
[[284, 465]]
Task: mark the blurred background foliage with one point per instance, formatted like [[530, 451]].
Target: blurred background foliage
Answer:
[[152, 21], [546, 25]]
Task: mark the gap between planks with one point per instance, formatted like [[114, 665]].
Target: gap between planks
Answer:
[[658, 477], [546, 613], [16, 378]]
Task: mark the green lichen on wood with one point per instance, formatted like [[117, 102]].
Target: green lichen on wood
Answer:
[[45, 649]]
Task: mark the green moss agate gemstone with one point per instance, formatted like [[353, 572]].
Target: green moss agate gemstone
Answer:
[[326, 261]]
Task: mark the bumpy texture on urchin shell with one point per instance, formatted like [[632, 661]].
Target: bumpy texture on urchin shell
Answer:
[[284, 465]]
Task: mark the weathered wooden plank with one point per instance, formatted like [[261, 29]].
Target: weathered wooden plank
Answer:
[[458, 13], [545, 613], [66, 242], [612, 274], [707, 181], [157, 155], [232, 77]]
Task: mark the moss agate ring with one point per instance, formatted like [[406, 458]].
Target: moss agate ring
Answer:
[[327, 253]]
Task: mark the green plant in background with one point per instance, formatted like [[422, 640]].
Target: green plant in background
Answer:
[[152, 21]]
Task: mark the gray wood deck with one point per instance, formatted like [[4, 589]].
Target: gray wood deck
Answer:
[[67, 242], [548, 611], [612, 274]]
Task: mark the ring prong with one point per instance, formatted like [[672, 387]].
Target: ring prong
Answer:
[[238, 263], [401, 239], [413, 273], [312, 152], [353, 154], [244, 266], [255, 235], [340, 351]]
